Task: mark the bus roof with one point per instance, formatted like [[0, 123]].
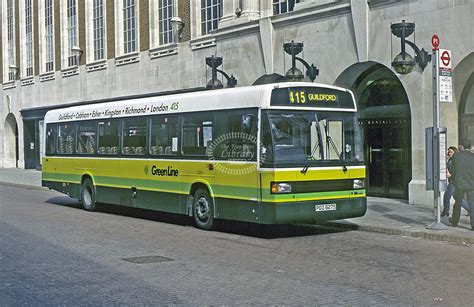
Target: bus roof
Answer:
[[223, 99]]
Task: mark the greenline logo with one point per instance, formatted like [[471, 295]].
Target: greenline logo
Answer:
[[155, 171], [231, 151]]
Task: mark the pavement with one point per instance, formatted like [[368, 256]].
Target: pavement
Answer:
[[384, 215]]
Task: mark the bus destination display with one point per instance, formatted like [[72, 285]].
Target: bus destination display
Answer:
[[311, 97]]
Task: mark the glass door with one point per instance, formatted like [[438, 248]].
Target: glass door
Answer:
[[388, 161]]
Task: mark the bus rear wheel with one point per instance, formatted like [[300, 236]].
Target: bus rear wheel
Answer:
[[203, 209], [88, 195]]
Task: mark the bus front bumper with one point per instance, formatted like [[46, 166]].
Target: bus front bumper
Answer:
[[312, 212]]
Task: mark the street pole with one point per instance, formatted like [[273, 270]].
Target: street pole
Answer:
[[436, 225]]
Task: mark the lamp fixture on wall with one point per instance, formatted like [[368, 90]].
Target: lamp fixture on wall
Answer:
[[13, 70], [215, 83], [177, 24], [77, 52], [295, 74], [404, 63]]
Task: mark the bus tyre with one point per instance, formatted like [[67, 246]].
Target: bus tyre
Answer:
[[88, 195], [203, 209]]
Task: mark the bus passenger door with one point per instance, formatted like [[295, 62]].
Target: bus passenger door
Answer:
[[197, 168], [235, 154], [49, 161]]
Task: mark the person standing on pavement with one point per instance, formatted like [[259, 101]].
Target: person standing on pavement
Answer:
[[463, 171], [450, 188]]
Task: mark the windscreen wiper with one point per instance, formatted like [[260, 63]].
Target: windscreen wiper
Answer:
[[306, 165], [329, 139]]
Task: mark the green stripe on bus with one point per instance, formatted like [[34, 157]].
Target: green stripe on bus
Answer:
[[224, 191]]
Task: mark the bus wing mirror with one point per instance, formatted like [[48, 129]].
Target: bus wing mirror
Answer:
[[246, 122]]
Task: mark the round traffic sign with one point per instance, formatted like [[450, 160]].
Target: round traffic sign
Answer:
[[435, 41], [445, 58]]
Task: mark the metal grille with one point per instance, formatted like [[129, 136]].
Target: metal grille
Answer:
[[29, 38], [129, 26], [72, 30], [166, 11], [283, 6], [48, 25], [312, 186], [211, 12], [98, 24]]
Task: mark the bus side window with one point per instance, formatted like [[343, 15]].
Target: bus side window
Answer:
[[164, 136], [197, 133], [66, 136], [236, 135], [108, 137], [134, 137], [266, 153], [51, 132], [86, 138]]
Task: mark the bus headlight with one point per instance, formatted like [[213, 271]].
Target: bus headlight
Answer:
[[358, 184], [280, 187]]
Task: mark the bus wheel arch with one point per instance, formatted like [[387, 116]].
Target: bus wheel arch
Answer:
[[88, 193], [202, 206]]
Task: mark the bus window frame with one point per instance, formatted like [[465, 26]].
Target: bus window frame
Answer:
[[239, 112], [122, 141], [119, 120], [96, 130], [73, 153], [183, 155], [179, 128], [53, 126]]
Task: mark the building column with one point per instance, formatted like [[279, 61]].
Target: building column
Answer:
[[360, 22], [251, 9], [267, 43], [418, 87], [228, 11], [239, 11]]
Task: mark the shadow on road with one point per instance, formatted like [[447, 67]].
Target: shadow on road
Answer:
[[275, 231], [65, 201], [225, 226]]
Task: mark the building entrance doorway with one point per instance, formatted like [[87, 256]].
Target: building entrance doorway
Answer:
[[10, 142], [386, 158], [466, 110], [384, 115]]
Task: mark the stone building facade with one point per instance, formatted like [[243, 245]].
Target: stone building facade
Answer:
[[60, 52]]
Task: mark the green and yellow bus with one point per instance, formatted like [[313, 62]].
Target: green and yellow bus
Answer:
[[271, 154]]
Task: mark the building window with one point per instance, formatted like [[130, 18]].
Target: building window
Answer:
[[211, 12], [98, 29], [29, 38], [48, 35], [283, 6], [166, 11], [72, 32], [10, 40], [129, 26]]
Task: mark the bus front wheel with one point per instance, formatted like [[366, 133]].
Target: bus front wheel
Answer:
[[88, 195], [203, 209]]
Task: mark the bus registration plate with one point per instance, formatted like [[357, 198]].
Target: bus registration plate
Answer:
[[325, 207]]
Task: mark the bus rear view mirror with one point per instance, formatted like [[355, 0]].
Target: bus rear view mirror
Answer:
[[246, 123]]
